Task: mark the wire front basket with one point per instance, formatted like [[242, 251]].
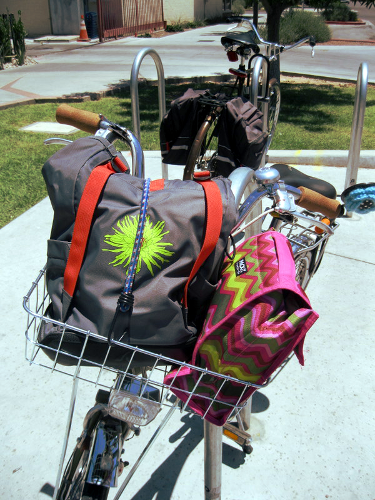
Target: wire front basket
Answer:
[[105, 376]]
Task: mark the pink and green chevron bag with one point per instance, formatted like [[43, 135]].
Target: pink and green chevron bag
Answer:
[[258, 315]]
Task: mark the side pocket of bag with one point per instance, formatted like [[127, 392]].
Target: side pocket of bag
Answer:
[[200, 294], [57, 256]]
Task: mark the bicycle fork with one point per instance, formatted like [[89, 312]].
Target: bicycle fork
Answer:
[[105, 464]]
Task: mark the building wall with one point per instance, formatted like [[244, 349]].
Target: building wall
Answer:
[[66, 16], [35, 15], [191, 10], [207, 9], [178, 10]]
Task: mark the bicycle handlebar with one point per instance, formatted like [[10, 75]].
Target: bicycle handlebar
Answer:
[[315, 202], [95, 124], [84, 120], [309, 39], [282, 48]]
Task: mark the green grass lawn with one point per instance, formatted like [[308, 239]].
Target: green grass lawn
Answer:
[[320, 117], [312, 117]]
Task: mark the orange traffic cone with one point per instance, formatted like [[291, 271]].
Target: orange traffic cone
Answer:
[[83, 36]]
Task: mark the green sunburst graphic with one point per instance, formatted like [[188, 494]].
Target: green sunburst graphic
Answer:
[[153, 250]]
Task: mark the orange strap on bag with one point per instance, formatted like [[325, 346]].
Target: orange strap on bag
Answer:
[[85, 214], [214, 217]]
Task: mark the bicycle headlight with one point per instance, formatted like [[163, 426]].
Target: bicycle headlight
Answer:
[[131, 408]]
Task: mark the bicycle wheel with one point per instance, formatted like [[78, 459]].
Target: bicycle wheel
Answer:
[[204, 147], [302, 263], [73, 480], [273, 109], [73, 484]]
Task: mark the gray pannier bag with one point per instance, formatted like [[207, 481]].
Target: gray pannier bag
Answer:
[[174, 232], [241, 140]]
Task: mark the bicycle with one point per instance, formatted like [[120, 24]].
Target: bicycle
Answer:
[[136, 396], [253, 83]]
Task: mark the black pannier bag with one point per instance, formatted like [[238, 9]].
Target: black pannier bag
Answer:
[[180, 125], [241, 140]]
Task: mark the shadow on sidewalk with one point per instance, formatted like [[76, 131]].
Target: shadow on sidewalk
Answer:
[[163, 480]]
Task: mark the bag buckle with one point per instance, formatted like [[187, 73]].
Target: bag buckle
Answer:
[[204, 175]]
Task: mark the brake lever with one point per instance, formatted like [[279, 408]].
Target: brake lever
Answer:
[[312, 45], [285, 203], [318, 223]]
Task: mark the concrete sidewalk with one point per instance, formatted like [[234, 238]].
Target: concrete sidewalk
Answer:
[[313, 427]]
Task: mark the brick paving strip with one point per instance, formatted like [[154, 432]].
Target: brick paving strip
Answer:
[[9, 88]]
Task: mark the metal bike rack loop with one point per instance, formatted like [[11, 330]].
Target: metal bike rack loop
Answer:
[[135, 95], [260, 64], [357, 126]]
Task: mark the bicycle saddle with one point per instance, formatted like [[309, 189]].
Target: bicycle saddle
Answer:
[[295, 178], [247, 38]]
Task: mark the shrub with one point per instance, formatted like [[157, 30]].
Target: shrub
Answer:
[[194, 24], [5, 45], [339, 12], [174, 27], [295, 25], [183, 25], [19, 35], [219, 19], [238, 7]]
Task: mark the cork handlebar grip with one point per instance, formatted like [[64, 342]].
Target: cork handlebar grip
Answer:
[[84, 120], [311, 200]]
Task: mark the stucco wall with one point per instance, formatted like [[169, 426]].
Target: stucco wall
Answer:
[[66, 16], [35, 15], [178, 10], [207, 9], [191, 10]]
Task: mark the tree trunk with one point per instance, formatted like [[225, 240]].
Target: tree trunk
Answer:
[[255, 13], [273, 24]]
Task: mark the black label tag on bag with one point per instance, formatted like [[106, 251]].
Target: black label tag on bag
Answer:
[[240, 267]]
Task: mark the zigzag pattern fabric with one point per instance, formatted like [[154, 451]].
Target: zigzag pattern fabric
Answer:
[[259, 314]]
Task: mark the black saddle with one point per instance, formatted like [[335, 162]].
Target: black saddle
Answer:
[[246, 38], [295, 178]]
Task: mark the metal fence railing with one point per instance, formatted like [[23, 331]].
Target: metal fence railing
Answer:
[[118, 18]]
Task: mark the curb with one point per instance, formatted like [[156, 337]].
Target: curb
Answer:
[[349, 23], [346, 40], [323, 78], [320, 158], [115, 89]]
